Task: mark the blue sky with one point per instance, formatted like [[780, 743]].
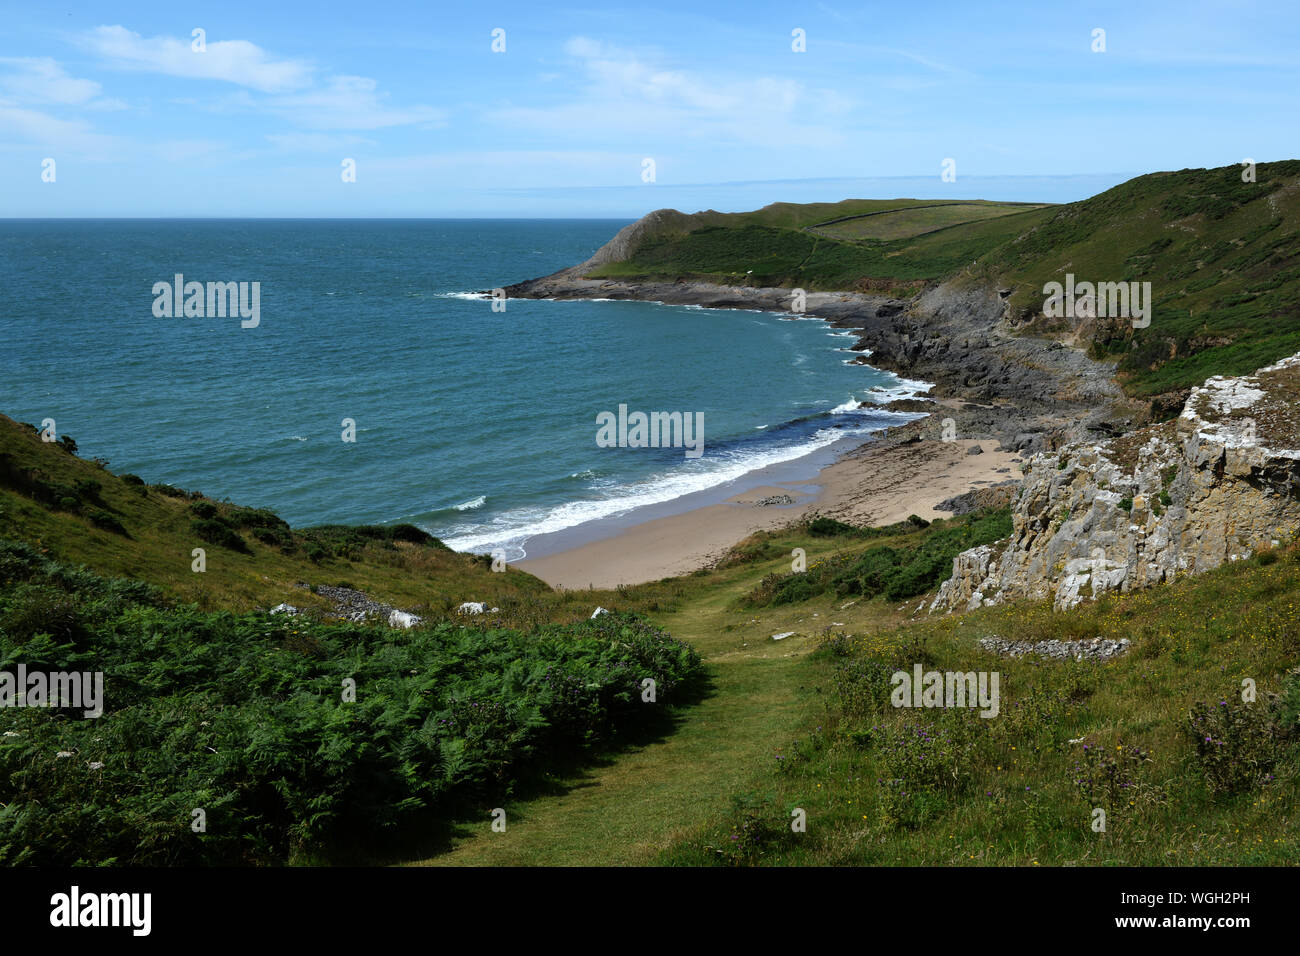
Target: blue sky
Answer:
[[258, 124]]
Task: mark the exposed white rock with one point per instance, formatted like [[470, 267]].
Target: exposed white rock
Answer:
[[284, 609], [1098, 648], [1183, 497], [398, 618], [598, 612]]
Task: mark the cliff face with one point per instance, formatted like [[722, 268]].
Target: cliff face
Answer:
[[1217, 484]]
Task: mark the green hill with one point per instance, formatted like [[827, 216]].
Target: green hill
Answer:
[[1222, 257], [296, 737], [825, 245], [80, 512]]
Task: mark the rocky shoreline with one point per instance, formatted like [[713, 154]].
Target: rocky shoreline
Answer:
[[1027, 393]]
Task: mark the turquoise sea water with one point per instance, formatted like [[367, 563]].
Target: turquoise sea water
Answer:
[[477, 425]]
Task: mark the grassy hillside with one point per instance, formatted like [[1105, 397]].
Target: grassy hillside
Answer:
[[805, 722], [294, 740], [1222, 256], [1160, 738], [826, 245], [82, 513], [240, 714], [916, 220], [212, 705]]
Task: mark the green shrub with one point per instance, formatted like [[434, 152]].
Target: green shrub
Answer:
[[1286, 715], [277, 537], [924, 764], [1236, 743], [757, 828], [87, 487], [1113, 777], [750, 551], [897, 572], [38, 610], [102, 519], [255, 518], [869, 575], [822, 527], [862, 687], [243, 716], [215, 532], [204, 509], [409, 532]]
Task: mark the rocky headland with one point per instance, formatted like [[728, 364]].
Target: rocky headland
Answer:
[[1026, 392]]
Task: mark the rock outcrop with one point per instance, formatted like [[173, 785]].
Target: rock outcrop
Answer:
[[1097, 649], [1215, 485]]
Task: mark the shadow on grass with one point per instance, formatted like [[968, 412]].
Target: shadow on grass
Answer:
[[551, 775]]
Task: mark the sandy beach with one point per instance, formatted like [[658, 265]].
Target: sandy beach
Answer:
[[877, 483]]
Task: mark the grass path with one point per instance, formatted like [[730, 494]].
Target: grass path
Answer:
[[628, 809]]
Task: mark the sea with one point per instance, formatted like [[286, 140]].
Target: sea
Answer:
[[379, 384]]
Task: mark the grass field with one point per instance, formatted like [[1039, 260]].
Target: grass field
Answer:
[[754, 253], [805, 723], [915, 220]]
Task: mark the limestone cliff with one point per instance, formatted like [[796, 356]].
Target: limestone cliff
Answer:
[[1217, 484]]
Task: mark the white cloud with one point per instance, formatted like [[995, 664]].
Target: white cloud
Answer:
[[350, 102], [41, 80], [290, 86], [231, 61], [630, 93], [33, 127]]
